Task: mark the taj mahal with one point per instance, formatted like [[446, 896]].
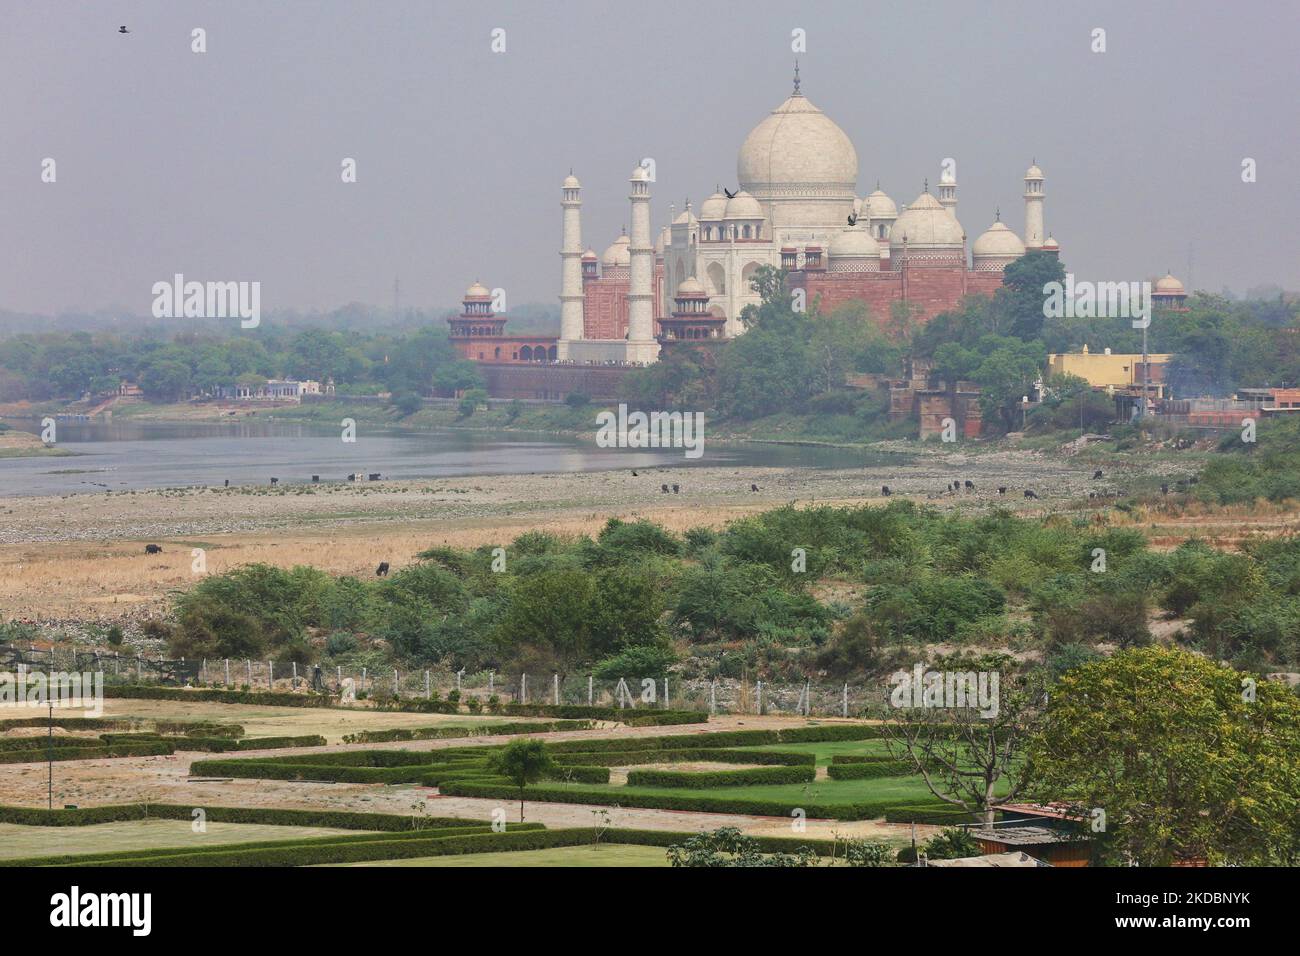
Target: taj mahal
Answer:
[[796, 207]]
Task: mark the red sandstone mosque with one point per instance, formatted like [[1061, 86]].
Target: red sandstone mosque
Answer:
[[796, 208]]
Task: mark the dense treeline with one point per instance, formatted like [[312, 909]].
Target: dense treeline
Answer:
[[637, 599], [68, 365], [798, 362]]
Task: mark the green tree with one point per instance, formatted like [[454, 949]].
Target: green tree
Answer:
[[1186, 758], [522, 762]]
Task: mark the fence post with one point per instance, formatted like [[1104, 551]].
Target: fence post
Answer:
[[459, 673], [713, 696], [665, 692], [523, 688], [203, 671], [270, 675], [807, 698], [491, 674], [394, 681], [363, 679], [427, 695], [338, 674], [295, 674], [249, 662], [555, 680], [760, 698], [589, 690], [227, 671], [117, 664], [846, 698], [139, 672]]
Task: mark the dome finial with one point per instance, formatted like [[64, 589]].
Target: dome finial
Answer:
[[926, 187], [796, 78], [997, 215]]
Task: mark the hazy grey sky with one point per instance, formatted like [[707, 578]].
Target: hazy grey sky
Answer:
[[226, 165]]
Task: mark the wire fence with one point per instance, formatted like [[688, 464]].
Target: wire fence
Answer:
[[718, 695]]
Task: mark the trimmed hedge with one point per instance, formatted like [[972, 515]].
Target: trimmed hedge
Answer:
[[869, 771], [720, 778], [93, 752], [116, 813], [632, 718], [866, 810], [479, 730], [317, 852], [631, 758], [260, 698]]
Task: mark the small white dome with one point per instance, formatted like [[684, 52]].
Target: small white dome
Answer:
[[477, 291], [618, 253], [998, 240], [1169, 286], [881, 206], [589, 254], [926, 223], [571, 182], [640, 174], [685, 217], [690, 286], [1033, 172], [1051, 245], [714, 207], [853, 243], [742, 206]]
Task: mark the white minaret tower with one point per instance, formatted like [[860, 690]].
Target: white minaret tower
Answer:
[[641, 343], [571, 297], [1034, 207], [948, 191]]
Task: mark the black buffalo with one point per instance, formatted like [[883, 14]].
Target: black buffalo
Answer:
[[382, 570], [153, 549]]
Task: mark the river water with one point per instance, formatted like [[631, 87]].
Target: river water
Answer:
[[126, 455]]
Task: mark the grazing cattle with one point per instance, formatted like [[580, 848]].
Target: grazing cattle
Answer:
[[884, 490], [676, 489], [1164, 489], [970, 485], [1002, 489], [227, 482], [1193, 480], [1096, 474], [315, 478], [374, 476], [634, 474], [382, 570], [664, 489], [352, 477], [1030, 494], [275, 481], [153, 549], [753, 487]]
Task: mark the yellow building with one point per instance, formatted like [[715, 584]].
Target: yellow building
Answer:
[[1108, 369]]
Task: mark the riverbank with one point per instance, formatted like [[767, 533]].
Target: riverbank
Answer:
[[83, 555]]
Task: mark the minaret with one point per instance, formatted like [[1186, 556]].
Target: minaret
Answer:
[[1033, 207], [641, 343], [571, 296], [948, 192]]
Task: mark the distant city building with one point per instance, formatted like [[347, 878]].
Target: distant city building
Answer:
[[274, 390]]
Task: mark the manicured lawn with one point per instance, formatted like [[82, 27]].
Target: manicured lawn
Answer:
[[820, 791], [23, 841], [825, 751], [580, 856]]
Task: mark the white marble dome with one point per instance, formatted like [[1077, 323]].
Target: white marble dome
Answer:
[[880, 206], [742, 206], [618, 253], [800, 165], [853, 243], [1168, 285], [690, 286], [926, 223], [477, 291], [713, 207], [998, 240]]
